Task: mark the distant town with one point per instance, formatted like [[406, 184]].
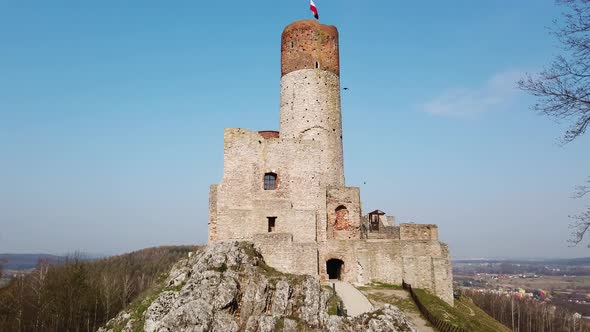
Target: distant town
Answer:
[[563, 283]]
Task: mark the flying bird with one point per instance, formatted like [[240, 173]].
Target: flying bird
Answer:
[[345, 88]]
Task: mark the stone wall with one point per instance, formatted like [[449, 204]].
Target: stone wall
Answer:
[[240, 202], [390, 220], [309, 45], [280, 252], [418, 232], [213, 213], [443, 275], [310, 110], [424, 264], [344, 212]]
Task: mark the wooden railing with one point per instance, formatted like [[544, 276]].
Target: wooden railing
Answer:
[[439, 324]]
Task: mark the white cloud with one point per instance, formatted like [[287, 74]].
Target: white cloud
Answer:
[[494, 93]]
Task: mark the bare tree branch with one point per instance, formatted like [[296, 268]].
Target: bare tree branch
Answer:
[[563, 89]]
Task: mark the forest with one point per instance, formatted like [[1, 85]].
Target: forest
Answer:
[[526, 314], [82, 295]]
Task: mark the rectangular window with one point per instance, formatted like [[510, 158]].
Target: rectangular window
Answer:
[[270, 181], [271, 224]]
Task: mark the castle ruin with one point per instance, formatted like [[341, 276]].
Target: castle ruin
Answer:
[[285, 191]]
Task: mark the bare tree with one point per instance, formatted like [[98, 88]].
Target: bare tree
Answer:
[[563, 89], [581, 222]]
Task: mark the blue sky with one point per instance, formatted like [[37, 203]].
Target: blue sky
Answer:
[[112, 117]]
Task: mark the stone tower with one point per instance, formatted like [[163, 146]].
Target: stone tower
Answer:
[[285, 191], [310, 93]]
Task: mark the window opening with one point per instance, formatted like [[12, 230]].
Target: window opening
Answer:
[[270, 181], [271, 224]]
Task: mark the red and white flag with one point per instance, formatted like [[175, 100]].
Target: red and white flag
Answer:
[[314, 9]]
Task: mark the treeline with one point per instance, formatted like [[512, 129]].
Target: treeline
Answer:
[[527, 315], [82, 295]]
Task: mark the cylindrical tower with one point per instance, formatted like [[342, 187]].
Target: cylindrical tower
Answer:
[[310, 93]]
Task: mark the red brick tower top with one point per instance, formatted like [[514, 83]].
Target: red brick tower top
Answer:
[[307, 44]]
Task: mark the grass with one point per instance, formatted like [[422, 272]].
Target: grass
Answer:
[[279, 324], [386, 286], [333, 301], [406, 305], [464, 314], [176, 288]]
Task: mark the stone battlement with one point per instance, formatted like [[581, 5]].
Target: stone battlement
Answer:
[[421, 232], [309, 44]]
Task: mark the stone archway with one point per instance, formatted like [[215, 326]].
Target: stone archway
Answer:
[[334, 267]]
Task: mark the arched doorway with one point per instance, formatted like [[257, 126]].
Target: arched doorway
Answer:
[[334, 268]]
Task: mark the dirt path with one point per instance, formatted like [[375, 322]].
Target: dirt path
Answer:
[[354, 301], [401, 299]]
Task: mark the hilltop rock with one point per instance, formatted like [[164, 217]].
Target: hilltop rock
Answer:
[[228, 287]]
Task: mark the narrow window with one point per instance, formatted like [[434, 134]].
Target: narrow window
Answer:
[[270, 181], [317, 65], [271, 223], [292, 44]]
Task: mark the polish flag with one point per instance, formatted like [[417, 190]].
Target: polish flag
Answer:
[[314, 9]]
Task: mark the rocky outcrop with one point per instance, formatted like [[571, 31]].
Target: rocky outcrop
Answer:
[[228, 287]]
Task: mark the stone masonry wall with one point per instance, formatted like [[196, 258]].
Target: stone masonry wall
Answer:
[[424, 264], [213, 213], [344, 213], [242, 204], [309, 45], [418, 232], [310, 110], [280, 252]]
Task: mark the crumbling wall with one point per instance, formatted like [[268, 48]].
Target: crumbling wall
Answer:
[[308, 44], [419, 232], [242, 206], [344, 212]]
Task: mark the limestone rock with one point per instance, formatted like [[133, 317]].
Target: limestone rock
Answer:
[[389, 318], [228, 287]]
